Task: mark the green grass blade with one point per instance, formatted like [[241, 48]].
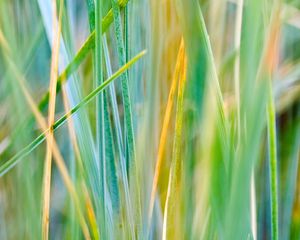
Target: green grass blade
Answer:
[[113, 99], [124, 81], [120, 144], [91, 12], [273, 164], [101, 118], [108, 146], [111, 174], [5, 167], [129, 131], [102, 214]]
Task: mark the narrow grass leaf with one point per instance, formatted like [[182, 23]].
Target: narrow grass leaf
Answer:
[[165, 126], [124, 82], [100, 125], [273, 164], [171, 224], [129, 131], [51, 112], [119, 137]]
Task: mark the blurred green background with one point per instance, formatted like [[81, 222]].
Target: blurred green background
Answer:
[[196, 138]]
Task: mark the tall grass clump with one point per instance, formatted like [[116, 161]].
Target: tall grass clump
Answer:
[[138, 119]]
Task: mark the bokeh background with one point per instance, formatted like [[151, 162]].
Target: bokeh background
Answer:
[[196, 138]]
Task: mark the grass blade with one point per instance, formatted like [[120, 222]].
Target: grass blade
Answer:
[[5, 167], [120, 142], [91, 12], [51, 112], [171, 224], [124, 81], [102, 214], [128, 125], [57, 156], [273, 164], [163, 136]]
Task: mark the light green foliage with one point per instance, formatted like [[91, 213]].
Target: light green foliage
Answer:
[[222, 119]]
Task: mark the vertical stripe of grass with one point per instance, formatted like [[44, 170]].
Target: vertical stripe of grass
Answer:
[[126, 32], [113, 100], [129, 132], [172, 207], [124, 82], [273, 164], [100, 130], [110, 181], [91, 13], [111, 176], [102, 119], [119, 138]]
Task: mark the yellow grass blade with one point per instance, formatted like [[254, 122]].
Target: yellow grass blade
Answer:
[[51, 112], [164, 131], [171, 224]]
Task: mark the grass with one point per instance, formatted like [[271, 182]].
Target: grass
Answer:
[[197, 139], [51, 112], [164, 131], [8, 164], [171, 227], [273, 165]]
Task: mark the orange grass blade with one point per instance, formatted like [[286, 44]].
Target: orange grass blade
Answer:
[[164, 131], [171, 224], [51, 112]]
